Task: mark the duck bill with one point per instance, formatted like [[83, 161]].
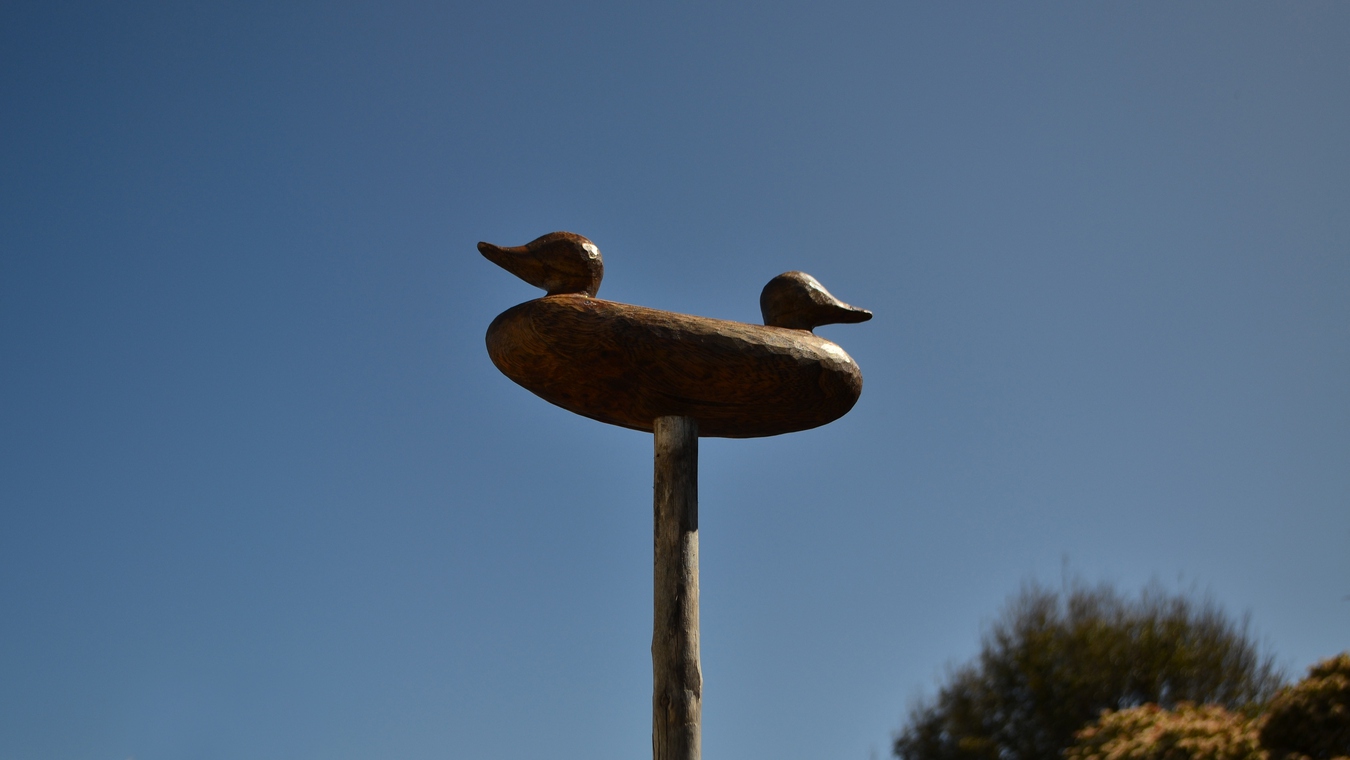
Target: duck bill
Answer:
[[518, 260], [842, 313], [502, 257]]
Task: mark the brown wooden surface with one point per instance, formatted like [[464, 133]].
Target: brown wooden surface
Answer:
[[559, 262], [677, 677], [799, 301], [627, 365]]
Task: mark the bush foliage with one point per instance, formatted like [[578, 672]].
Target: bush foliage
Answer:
[[1307, 721], [1311, 719], [1148, 732], [1054, 661]]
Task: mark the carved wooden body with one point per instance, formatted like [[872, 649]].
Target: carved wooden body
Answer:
[[627, 365]]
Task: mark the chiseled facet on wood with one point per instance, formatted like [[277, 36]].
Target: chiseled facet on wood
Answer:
[[677, 678]]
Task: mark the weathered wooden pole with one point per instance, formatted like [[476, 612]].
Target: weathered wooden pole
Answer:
[[677, 678]]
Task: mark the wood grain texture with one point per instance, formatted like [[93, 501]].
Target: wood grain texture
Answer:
[[799, 301], [559, 262], [677, 677], [628, 365]]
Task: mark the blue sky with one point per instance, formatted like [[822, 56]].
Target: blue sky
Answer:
[[263, 495]]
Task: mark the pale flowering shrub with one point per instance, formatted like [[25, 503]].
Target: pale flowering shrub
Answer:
[[1148, 732]]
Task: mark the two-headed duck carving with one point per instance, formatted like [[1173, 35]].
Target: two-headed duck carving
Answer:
[[627, 365]]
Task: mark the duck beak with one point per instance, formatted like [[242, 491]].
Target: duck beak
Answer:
[[842, 313], [501, 256], [518, 260]]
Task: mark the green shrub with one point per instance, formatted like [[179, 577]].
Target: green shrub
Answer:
[[1311, 719], [1055, 660]]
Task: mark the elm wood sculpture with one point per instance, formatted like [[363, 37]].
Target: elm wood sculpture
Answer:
[[627, 365], [680, 377]]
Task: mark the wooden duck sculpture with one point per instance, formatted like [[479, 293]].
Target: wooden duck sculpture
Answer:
[[627, 365]]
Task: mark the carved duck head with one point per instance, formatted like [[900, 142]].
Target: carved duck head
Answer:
[[559, 262], [796, 300]]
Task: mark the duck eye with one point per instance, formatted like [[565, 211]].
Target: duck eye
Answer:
[[591, 251]]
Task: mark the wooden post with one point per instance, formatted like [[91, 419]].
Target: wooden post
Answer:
[[677, 678]]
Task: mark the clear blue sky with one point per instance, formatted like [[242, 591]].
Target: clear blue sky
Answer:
[[262, 494]]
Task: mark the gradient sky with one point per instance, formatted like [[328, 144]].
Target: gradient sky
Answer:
[[263, 495]]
